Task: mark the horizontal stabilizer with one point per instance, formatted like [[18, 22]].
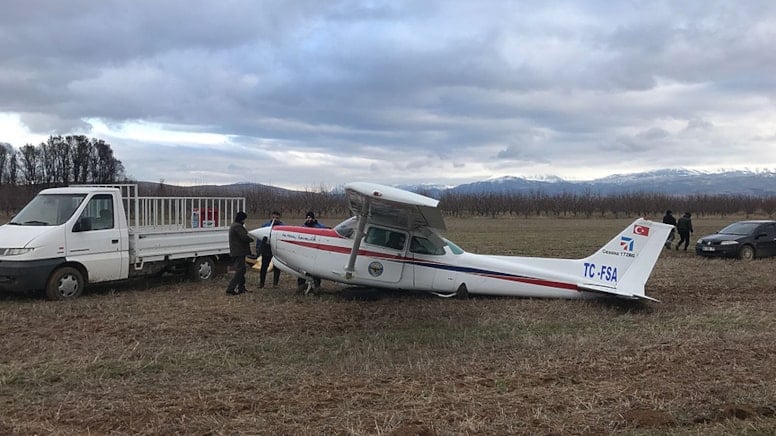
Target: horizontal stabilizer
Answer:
[[613, 292]]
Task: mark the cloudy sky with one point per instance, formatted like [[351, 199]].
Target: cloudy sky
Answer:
[[310, 94]]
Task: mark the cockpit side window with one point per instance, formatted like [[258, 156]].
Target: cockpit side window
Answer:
[[385, 238], [422, 245]]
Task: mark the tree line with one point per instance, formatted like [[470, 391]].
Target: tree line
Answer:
[[262, 200], [60, 160], [591, 204]]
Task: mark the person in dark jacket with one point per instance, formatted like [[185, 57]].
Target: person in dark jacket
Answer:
[[264, 250], [239, 247], [671, 220], [310, 221], [684, 228]]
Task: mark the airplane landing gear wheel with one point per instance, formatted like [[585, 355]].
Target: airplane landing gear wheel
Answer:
[[462, 291]]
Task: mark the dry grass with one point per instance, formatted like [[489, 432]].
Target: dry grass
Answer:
[[173, 357]]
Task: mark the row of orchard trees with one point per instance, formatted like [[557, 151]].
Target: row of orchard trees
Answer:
[[325, 203], [591, 204], [60, 160], [262, 200]]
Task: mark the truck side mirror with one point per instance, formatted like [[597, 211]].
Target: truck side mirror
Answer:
[[83, 224]]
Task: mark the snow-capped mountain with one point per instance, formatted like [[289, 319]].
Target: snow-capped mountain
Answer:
[[676, 181]]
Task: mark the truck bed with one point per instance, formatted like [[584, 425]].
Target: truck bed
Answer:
[[170, 228], [152, 243]]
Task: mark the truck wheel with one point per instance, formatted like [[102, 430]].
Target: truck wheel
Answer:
[[65, 283], [203, 269]]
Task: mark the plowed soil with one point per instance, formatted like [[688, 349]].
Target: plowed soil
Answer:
[[166, 356]]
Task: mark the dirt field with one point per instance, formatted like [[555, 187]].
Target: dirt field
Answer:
[[172, 357]]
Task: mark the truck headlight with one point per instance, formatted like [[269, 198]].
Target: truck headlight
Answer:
[[14, 251]]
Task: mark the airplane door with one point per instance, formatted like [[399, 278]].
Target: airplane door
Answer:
[[95, 240], [382, 255], [427, 257]]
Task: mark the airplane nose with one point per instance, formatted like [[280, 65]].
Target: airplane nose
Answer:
[[260, 233]]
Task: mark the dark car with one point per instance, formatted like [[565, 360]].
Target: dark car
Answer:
[[743, 239]]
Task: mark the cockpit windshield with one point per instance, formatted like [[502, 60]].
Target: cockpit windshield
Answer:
[[455, 249], [48, 210], [347, 227]]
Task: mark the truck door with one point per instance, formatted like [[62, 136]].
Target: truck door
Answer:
[[95, 240]]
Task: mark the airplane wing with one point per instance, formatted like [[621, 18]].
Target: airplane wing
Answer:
[[394, 207]]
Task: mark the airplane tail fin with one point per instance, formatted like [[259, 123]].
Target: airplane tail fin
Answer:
[[622, 266]]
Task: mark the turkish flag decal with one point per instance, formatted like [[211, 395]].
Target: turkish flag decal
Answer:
[[641, 230]]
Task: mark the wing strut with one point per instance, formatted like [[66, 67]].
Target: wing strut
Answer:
[[351, 268]]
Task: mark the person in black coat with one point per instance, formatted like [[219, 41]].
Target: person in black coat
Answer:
[[239, 247], [684, 228], [310, 221], [264, 249], [668, 218]]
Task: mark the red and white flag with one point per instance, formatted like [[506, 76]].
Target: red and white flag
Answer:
[[641, 230]]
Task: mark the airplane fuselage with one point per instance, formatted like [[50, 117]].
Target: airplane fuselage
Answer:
[[393, 240], [414, 262]]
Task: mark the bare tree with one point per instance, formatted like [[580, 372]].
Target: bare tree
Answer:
[[5, 152], [13, 168], [30, 164], [107, 168], [63, 162], [46, 160], [82, 152]]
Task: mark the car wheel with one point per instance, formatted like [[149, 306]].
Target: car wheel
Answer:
[[203, 269], [746, 252], [65, 283]]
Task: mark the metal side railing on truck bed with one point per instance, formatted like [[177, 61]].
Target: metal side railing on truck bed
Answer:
[[169, 228], [163, 214]]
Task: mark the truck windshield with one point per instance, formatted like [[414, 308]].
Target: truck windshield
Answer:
[[48, 210]]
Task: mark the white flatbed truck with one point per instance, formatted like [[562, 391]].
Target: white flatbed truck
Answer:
[[66, 238]]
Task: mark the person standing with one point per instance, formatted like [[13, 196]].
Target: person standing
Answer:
[[310, 221], [264, 249], [239, 247], [684, 228], [671, 220]]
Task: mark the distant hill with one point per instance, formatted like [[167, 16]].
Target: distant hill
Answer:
[[666, 181], [235, 189]]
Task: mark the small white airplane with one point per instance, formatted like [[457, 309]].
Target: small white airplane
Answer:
[[393, 240]]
